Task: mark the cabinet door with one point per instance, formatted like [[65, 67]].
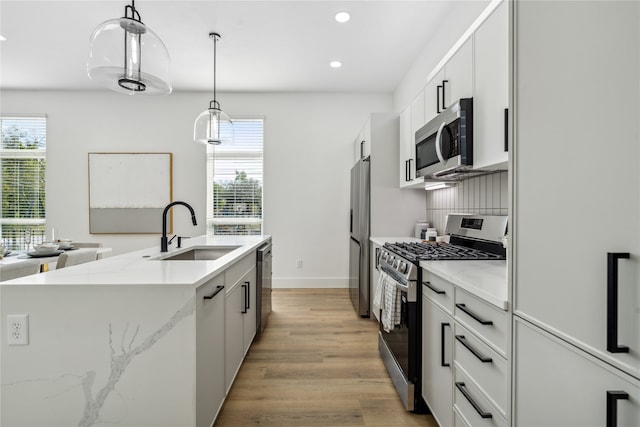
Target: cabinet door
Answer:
[[437, 362], [491, 91], [433, 96], [374, 277], [233, 339], [459, 74], [366, 137], [249, 319], [577, 157], [210, 369], [558, 385]]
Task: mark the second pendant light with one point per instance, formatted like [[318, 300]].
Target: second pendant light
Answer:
[[213, 126]]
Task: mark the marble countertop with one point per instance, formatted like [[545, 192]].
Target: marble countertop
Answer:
[[485, 279], [142, 267]]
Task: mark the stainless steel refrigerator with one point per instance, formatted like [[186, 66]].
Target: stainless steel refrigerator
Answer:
[[359, 242]]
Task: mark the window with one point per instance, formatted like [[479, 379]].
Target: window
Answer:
[[23, 143], [234, 181]]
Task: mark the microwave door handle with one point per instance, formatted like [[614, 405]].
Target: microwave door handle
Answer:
[[438, 148]]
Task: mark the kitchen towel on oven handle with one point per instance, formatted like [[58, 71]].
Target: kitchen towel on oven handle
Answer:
[[390, 303]]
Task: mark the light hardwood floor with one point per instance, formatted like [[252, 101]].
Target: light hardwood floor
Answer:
[[317, 364]]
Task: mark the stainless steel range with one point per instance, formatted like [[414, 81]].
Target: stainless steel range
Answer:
[[472, 237]]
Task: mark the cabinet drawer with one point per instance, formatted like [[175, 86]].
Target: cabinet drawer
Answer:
[[239, 269], [458, 421], [487, 321], [438, 290], [485, 366], [473, 405]]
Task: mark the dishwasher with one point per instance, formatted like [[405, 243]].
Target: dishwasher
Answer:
[[263, 287]]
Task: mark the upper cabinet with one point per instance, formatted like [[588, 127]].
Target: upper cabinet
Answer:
[[410, 121], [362, 144], [491, 91], [476, 67]]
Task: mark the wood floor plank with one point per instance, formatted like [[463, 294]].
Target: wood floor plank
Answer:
[[316, 365]]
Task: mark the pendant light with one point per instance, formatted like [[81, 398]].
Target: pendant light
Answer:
[[213, 126], [128, 57]]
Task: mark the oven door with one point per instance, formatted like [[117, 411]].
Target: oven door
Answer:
[[399, 348]]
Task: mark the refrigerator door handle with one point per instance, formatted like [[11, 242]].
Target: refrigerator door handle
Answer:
[[351, 220]]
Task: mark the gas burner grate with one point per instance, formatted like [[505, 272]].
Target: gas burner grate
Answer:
[[440, 251]]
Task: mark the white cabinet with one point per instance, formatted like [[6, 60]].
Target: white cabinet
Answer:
[[458, 75], [240, 315], [491, 91], [437, 361], [407, 144], [432, 96], [465, 356], [565, 183], [249, 316], [210, 369], [374, 276], [362, 144], [559, 385]]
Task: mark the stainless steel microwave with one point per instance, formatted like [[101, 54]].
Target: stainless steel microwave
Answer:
[[444, 146]]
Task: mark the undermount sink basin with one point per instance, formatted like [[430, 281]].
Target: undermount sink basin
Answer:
[[200, 254]]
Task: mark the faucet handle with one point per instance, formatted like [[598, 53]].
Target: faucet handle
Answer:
[[171, 240], [180, 240]]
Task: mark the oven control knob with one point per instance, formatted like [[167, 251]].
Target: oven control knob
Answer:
[[403, 267]]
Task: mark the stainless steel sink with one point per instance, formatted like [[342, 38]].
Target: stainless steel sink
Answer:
[[200, 254]]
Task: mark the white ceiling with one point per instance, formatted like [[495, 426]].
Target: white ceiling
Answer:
[[265, 45]]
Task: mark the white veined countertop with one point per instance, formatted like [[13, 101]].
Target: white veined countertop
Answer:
[[142, 267]]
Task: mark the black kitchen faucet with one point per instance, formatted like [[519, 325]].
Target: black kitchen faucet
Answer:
[[164, 245]]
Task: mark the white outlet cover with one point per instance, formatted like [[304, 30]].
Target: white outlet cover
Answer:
[[18, 329]]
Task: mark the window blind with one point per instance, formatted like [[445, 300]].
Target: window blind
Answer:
[[235, 172], [23, 144]]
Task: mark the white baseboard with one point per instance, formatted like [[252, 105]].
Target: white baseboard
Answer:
[[310, 282]]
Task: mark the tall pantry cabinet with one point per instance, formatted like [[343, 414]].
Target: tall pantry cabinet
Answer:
[[576, 213]]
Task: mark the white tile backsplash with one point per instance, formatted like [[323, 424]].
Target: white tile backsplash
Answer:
[[485, 194]]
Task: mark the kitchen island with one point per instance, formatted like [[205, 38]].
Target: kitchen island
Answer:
[[132, 340]]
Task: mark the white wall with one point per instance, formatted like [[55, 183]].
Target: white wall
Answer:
[[308, 154]]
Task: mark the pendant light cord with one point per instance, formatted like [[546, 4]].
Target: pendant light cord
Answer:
[[215, 37], [133, 10]]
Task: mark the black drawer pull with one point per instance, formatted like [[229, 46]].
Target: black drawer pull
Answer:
[[246, 291], [476, 353], [442, 361], [475, 317], [434, 289], [612, 302], [248, 294], [216, 292], [612, 406], [465, 393]]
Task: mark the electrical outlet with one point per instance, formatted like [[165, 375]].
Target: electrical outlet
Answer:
[[299, 263], [18, 329]]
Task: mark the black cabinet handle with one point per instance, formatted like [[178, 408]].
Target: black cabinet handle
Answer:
[[481, 357], [444, 85], [406, 170], [434, 289], [612, 302], [460, 386], [442, 362], [438, 99], [350, 220], [409, 169], [361, 149], [248, 294], [474, 316], [216, 292], [244, 309], [612, 406], [506, 129]]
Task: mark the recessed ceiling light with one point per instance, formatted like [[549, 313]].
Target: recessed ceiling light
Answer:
[[335, 64], [343, 16]]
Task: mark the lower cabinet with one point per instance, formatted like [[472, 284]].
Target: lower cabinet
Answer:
[[465, 361], [240, 315], [210, 368], [437, 361], [557, 384]]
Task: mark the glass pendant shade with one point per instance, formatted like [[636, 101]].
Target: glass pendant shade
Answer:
[[127, 56], [213, 126]]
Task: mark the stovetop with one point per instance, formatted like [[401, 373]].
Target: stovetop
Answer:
[[423, 251]]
